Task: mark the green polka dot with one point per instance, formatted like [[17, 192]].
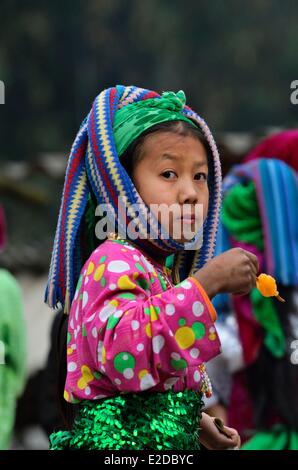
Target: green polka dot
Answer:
[[198, 329], [143, 283], [79, 284], [140, 267], [152, 280], [81, 296], [97, 375], [182, 322], [68, 337], [126, 295], [102, 259], [124, 360], [84, 332], [103, 282], [147, 311], [162, 282], [112, 322], [178, 364]]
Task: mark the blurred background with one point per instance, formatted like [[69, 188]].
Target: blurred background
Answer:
[[234, 60]]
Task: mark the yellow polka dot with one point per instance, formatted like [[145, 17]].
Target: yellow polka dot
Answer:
[[185, 337], [69, 351], [86, 373], [81, 383], [103, 355], [212, 336], [135, 275], [153, 314], [125, 283], [114, 302], [66, 395], [99, 272], [148, 330], [90, 268], [142, 373]]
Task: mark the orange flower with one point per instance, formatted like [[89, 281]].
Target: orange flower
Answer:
[[267, 286]]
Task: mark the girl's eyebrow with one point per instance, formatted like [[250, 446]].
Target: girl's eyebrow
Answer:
[[168, 156]]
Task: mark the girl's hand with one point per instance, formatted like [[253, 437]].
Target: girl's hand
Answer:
[[213, 439], [232, 272]]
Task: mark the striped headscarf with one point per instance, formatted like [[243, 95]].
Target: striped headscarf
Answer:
[[94, 167]]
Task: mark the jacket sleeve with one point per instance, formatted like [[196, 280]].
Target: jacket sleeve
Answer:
[[138, 339]]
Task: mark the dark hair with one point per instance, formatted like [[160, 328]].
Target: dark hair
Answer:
[[273, 382], [133, 154]]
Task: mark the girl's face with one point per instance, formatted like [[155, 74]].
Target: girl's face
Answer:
[[173, 171]]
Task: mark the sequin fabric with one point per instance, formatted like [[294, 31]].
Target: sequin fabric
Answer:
[[153, 421]]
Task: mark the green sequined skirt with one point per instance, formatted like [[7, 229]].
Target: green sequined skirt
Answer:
[[155, 421]]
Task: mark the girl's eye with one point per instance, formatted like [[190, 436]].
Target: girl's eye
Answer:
[[201, 177], [169, 174]]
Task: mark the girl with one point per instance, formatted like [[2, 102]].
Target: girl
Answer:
[[137, 336]]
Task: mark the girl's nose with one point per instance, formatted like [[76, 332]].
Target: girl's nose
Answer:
[[188, 193]]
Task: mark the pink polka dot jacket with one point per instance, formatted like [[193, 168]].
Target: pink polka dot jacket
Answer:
[[130, 331]]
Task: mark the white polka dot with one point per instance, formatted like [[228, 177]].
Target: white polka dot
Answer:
[[118, 266], [130, 247], [94, 332], [170, 382], [118, 314], [103, 368], [136, 257], [106, 302], [140, 347], [115, 335], [135, 325], [171, 333], [71, 366], [128, 373], [86, 280], [73, 346], [91, 318], [147, 382], [186, 285], [112, 286], [180, 296], [197, 308], [175, 356], [197, 376], [106, 312], [194, 352], [158, 343], [147, 264], [71, 324], [117, 381], [76, 294], [170, 309], [99, 351], [212, 329], [77, 313], [87, 390], [85, 298], [125, 357]]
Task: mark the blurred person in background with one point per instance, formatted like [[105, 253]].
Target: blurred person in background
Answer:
[[255, 380], [12, 347]]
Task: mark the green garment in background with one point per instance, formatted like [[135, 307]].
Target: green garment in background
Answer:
[[279, 437], [12, 353]]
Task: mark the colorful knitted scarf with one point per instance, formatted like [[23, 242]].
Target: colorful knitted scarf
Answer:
[[258, 214], [94, 170]]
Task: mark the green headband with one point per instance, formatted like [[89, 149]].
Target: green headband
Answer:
[[132, 120]]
